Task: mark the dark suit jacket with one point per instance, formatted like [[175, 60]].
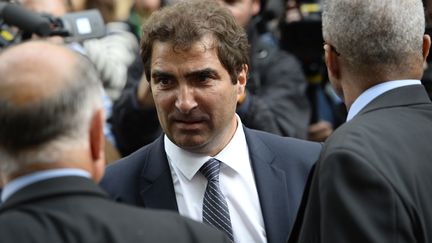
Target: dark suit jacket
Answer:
[[374, 178], [280, 164], [74, 209]]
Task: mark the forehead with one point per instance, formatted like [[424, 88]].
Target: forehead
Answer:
[[36, 67], [233, 2], [200, 54]]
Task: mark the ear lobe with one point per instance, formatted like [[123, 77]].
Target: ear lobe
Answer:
[[426, 46], [242, 80], [97, 144], [332, 62]]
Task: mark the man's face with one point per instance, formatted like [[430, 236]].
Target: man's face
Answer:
[[243, 10], [194, 96]]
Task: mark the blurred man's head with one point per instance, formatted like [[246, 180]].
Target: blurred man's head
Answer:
[[375, 39], [50, 110], [196, 59]]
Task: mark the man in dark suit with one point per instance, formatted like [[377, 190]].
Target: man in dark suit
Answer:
[[196, 60], [373, 180], [51, 150]]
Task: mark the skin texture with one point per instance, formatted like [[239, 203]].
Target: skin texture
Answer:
[[194, 96]]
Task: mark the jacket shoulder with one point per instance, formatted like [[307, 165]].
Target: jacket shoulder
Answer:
[[281, 144], [121, 178]]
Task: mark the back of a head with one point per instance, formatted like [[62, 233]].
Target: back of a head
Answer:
[[373, 35], [47, 97], [187, 22]]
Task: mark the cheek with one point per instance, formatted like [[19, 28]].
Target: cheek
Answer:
[[225, 101], [163, 101]]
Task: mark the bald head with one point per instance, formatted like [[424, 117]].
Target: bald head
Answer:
[[34, 71], [49, 96]]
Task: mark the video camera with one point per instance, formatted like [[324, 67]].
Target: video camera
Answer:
[[18, 24], [303, 38]]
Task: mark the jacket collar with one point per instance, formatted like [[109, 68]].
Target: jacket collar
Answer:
[[406, 95], [157, 190], [156, 186], [53, 187]]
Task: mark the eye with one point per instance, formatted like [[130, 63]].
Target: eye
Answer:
[[164, 82], [203, 77], [230, 2]]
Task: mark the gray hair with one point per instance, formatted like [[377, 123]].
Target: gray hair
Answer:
[[371, 33], [39, 132]]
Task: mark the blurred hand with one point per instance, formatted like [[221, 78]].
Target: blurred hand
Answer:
[[144, 94], [320, 131]]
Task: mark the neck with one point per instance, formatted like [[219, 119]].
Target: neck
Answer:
[[73, 158]]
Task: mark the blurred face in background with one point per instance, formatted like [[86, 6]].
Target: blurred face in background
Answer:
[[77, 5], [147, 5], [243, 10], [55, 7]]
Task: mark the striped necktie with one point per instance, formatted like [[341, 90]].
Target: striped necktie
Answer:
[[215, 207]]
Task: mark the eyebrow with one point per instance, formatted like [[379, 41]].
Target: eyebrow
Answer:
[[161, 74], [203, 72], [191, 75]]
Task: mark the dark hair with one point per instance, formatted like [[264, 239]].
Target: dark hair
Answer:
[[186, 22]]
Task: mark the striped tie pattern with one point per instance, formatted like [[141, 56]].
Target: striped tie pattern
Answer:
[[215, 207]]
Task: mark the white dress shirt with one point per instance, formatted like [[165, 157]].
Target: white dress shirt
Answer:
[[237, 184], [370, 94]]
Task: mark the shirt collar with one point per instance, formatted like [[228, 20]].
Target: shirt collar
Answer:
[[189, 163], [370, 94], [23, 181]]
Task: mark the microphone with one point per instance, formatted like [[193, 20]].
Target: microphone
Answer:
[[24, 19]]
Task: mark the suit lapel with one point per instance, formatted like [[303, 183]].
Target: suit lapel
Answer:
[[271, 187], [156, 185]]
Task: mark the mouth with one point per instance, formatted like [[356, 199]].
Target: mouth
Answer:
[[189, 124]]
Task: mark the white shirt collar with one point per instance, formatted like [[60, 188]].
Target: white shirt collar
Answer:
[[189, 163], [370, 94]]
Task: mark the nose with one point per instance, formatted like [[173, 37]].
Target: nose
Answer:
[[185, 101]]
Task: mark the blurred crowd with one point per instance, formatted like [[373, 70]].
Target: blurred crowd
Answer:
[[288, 92], [269, 120]]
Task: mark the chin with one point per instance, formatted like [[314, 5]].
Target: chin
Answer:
[[194, 145]]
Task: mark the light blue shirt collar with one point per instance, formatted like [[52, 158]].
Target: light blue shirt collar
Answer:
[[23, 181], [370, 94]]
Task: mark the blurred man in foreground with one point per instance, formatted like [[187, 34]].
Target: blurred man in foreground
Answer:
[[372, 183], [51, 148]]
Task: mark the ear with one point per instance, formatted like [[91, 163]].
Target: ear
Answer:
[[332, 62], [333, 70], [426, 46], [97, 144], [241, 81], [256, 7]]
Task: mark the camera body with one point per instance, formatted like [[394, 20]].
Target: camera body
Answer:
[[18, 23]]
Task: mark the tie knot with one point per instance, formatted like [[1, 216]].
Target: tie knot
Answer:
[[211, 169]]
